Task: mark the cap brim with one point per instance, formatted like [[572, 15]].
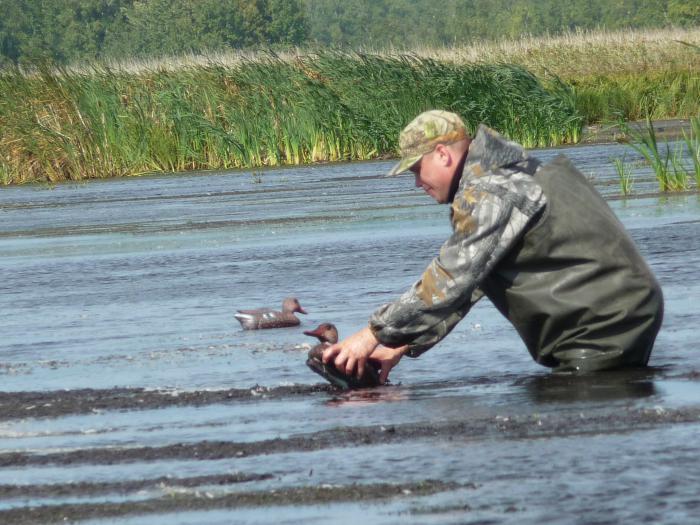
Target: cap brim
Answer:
[[403, 165]]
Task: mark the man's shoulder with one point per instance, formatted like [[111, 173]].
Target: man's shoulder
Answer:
[[492, 150], [497, 172]]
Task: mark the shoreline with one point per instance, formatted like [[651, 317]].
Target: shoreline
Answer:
[[591, 135], [608, 133]]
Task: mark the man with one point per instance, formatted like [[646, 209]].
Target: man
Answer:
[[536, 239]]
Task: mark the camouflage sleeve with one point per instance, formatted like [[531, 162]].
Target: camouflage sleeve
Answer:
[[488, 217]]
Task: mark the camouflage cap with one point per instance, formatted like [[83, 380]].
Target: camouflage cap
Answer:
[[425, 132]]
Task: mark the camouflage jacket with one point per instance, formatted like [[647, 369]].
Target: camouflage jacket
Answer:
[[496, 199], [542, 244]]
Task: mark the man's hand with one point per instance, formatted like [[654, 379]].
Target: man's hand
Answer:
[[387, 358], [352, 353]]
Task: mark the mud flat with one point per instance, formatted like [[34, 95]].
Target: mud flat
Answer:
[[596, 413], [88, 400], [207, 501], [504, 427]]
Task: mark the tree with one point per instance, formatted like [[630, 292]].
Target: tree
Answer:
[[684, 12], [286, 22], [74, 30]]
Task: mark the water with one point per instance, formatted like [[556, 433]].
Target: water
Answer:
[[127, 288]]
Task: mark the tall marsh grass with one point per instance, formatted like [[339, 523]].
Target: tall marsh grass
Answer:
[[658, 156], [692, 142], [625, 74], [630, 97], [267, 111], [624, 174], [569, 55], [666, 162], [259, 109], [581, 53]]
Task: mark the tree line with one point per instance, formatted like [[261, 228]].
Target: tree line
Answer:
[[78, 30], [406, 24]]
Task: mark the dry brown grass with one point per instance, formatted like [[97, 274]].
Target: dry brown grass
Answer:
[[584, 53], [569, 55]]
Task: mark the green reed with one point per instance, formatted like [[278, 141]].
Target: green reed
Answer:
[[692, 142], [64, 125], [630, 97], [4, 174], [666, 162], [645, 143], [624, 174]]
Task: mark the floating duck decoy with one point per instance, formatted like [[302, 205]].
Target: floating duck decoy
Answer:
[[327, 334], [269, 318]]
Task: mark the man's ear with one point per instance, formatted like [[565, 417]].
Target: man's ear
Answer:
[[444, 154]]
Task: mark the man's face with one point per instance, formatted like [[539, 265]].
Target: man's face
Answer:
[[434, 173]]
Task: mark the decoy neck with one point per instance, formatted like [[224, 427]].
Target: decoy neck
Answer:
[[291, 304], [325, 332]]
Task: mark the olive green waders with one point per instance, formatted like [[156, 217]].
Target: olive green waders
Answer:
[[575, 286]]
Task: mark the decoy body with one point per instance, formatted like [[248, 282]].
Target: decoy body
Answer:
[[269, 318], [327, 334]]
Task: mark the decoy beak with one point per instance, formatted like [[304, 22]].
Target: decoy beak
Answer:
[[314, 333]]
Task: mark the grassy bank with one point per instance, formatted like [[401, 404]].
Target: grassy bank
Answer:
[[621, 75], [628, 97], [230, 111], [614, 74], [269, 111]]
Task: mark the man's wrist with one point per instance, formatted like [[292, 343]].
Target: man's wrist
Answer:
[[370, 336], [372, 332]]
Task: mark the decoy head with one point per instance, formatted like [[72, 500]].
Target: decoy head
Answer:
[[326, 333], [291, 304]]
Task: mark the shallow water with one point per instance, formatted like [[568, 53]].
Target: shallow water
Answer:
[[131, 284]]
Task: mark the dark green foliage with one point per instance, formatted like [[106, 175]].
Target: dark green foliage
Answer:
[[405, 24], [67, 31]]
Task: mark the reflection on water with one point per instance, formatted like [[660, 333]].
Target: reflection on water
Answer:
[[361, 398], [133, 283], [601, 387]]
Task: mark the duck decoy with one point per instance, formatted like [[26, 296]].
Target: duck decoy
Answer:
[[268, 318], [327, 334]]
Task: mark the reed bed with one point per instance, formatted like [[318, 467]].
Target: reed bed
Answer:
[[623, 74], [630, 97], [692, 142], [587, 52], [615, 75], [665, 161], [569, 55], [230, 110], [267, 111]]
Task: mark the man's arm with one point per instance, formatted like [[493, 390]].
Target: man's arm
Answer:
[[433, 334], [488, 218]]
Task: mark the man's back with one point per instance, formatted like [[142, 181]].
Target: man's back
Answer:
[[575, 286]]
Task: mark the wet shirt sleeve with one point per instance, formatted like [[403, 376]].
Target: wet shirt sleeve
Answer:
[[489, 214]]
